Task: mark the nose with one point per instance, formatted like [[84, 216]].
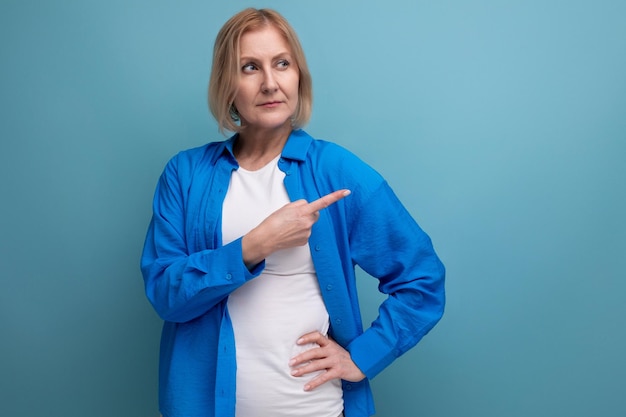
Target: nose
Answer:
[[269, 84]]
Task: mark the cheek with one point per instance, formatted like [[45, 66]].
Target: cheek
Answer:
[[294, 85], [243, 97]]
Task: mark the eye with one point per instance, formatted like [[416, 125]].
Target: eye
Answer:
[[249, 67], [282, 64]]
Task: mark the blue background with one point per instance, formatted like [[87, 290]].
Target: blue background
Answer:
[[501, 125]]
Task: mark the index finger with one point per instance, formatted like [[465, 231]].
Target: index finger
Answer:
[[312, 337], [328, 199]]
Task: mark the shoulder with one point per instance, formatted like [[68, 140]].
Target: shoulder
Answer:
[[197, 154], [186, 161], [340, 165]]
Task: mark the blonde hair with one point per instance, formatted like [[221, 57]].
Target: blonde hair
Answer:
[[226, 66]]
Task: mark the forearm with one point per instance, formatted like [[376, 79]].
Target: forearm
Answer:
[[185, 287], [399, 327]]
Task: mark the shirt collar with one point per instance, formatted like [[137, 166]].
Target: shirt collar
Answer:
[[296, 147]]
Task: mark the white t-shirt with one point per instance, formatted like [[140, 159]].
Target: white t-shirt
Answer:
[[272, 311]]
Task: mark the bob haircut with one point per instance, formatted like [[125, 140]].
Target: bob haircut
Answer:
[[226, 67]]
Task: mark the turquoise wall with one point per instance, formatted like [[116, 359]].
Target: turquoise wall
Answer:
[[501, 125]]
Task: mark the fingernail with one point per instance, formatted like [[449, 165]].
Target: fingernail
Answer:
[[300, 341], [347, 192], [307, 387], [292, 362]]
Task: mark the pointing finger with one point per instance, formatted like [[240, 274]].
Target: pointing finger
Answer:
[[328, 199]]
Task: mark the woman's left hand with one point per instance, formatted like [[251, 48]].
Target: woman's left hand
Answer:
[[329, 357]]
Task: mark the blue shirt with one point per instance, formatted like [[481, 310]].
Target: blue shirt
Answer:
[[189, 273]]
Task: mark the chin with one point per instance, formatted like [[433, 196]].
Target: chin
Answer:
[[270, 124]]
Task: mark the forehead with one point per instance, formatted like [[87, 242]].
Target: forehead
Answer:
[[264, 41]]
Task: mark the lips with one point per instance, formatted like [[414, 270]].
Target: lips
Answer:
[[270, 104]]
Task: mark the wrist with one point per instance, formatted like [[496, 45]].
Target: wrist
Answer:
[[252, 248]]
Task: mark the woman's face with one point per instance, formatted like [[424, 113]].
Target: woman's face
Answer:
[[267, 95]]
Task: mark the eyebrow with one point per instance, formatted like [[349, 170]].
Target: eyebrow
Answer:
[[252, 58]]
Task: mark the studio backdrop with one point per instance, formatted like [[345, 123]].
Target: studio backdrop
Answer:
[[500, 124]]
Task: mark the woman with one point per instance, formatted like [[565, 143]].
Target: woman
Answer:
[[250, 254]]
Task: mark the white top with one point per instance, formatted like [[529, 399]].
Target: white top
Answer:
[[270, 312]]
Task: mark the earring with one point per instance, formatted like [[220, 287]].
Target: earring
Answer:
[[234, 114]]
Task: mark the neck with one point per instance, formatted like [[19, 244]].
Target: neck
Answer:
[[253, 149]]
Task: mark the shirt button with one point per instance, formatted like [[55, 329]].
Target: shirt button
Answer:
[[337, 321], [329, 287], [229, 277], [288, 173], [348, 387], [318, 248]]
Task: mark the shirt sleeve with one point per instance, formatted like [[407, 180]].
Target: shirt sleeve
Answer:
[[180, 283], [387, 243]]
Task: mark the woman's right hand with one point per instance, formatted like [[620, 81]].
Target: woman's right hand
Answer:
[[287, 227]]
